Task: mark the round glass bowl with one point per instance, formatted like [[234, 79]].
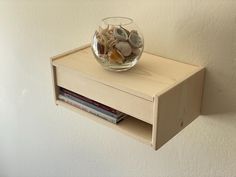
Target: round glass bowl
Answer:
[[117, 44]]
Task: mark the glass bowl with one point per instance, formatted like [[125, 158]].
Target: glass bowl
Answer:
[[117, 44]]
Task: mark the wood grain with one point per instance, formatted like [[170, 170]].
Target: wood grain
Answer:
[[120, 100], [178, 107], [152, 74], [161, 96]]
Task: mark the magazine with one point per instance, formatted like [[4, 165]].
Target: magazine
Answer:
[[91, 110]]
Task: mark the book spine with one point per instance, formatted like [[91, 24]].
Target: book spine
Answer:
[[88, 109]]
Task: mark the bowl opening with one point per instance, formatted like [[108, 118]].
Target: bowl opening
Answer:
[[117, 21]]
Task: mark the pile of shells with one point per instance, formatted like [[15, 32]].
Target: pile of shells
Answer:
[[118, 45]]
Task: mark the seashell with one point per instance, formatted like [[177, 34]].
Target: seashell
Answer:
[[124, 48], [135, 40], [111, 42], [134, 31], [136, 51], [108, 35], [103, 31], [127, 32], [100, 48], [103, 41], [110, 31], [115, 56], [120, 34]]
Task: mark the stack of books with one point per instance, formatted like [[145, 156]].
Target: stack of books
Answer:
[[90, 106]]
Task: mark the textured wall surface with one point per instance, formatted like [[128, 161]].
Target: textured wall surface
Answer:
[[38, 139]]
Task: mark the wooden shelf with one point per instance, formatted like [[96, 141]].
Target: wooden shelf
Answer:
[[161, 96]]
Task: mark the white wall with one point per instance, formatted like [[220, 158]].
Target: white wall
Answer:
[[38, 139]]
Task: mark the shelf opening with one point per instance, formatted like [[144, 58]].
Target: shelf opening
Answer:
[[128, 124]]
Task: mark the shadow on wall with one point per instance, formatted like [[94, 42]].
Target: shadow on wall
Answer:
[[205, 37], [212, 43], [217, 99]]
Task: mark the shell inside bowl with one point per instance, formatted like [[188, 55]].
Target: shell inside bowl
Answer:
[[117, 47]]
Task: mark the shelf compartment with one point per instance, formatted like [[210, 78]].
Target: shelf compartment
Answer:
[[133, 127]]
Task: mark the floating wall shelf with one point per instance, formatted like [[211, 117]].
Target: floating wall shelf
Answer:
[[161, 96]]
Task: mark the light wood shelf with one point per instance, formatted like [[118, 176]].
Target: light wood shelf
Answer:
[[161, 96]]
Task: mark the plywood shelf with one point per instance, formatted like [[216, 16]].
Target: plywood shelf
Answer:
[[161, 96]]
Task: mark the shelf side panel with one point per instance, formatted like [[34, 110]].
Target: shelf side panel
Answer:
[[178, 107], [54, 82]]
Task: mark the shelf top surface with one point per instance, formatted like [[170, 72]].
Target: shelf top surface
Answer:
[[151, 76]]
